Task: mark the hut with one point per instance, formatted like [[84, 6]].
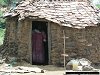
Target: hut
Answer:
[[70, 27]]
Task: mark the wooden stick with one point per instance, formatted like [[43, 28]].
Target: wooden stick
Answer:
[[64, 47]]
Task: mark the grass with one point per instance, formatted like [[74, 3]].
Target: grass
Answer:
[[98, 6], [2, 32]]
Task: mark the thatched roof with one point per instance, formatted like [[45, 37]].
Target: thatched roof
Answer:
[[72, 14]]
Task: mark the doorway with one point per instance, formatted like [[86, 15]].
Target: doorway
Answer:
[[39, 43]]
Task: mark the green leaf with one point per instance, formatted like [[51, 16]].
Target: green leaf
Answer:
[[2, 2]]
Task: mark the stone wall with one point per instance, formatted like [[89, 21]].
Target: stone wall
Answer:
[[56, 44], [24, 39], [80, 43], [10, 45], [83, 43], [17, 41]]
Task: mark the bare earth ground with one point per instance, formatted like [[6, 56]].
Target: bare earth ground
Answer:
[[46, 73], [57, 71], [50, 70]]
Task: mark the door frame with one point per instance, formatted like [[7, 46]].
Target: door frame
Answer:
[[49, 40]]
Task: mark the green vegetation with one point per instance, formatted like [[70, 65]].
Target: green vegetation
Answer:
[[2, 2], [2, 32], [2, 21], [5, 3], [98, 5], [2, 28]]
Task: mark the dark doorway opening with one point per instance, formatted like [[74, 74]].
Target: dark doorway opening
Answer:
[[39, 43]]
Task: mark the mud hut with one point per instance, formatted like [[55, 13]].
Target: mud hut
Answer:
[[77, 21]]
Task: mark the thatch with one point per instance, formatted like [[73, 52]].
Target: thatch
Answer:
[[72, 14]]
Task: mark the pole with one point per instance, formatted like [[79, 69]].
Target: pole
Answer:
[[64, 48]]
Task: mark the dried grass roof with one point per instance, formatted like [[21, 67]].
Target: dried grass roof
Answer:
[[72, 14]]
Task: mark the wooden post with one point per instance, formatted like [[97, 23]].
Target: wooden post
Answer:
[[64, 53], [64, 47]]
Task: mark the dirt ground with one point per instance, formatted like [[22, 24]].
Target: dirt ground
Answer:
[[49, 70], [46, 73]]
